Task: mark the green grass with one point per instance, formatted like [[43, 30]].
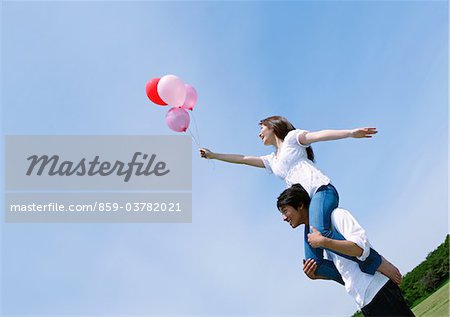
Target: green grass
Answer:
[[436, 305]]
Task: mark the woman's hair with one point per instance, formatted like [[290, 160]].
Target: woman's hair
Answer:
[[295, 196], [281, 126]]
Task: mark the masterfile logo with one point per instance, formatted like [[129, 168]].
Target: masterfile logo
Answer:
[[98, 179], [98, 162], [53, 166]]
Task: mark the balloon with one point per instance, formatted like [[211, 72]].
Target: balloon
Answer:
[[191, 98], [172, 90], [177, 119], [152, 92]]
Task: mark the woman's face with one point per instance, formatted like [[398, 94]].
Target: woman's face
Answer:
[[266, 135]]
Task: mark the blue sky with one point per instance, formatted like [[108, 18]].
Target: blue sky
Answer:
[[81, 68]]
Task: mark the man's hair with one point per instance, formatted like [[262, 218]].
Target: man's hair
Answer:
[[295, 196]]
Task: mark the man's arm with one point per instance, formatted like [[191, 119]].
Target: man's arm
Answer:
[[316, 240], [355, 236], [309, 268], [356, 243]]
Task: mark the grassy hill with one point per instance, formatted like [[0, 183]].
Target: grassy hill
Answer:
[[436, 305], [428, 276]]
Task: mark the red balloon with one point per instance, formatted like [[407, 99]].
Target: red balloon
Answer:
[[152, 92]]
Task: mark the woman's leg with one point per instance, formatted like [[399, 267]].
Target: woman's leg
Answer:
[[323, 202], [325, 268]]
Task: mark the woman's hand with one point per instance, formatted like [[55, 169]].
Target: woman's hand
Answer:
[[363, 132], [309, 268], [207, 154]]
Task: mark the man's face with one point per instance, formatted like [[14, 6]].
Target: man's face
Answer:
[[294, 217]]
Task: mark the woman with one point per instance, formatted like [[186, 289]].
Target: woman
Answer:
[[293, 161]]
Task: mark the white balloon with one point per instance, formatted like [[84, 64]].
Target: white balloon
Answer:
[[172, 90]]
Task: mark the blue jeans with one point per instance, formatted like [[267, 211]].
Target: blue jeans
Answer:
[[323, 202]]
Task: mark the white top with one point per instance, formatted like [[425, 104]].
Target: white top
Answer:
[[293, 166], [361, 286]]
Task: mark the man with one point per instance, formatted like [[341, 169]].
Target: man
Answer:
[[375, 295]]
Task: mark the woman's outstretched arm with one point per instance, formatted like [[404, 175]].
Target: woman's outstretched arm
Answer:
[[328, 135], [233, 158]]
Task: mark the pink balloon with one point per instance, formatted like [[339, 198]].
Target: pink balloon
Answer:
[[172, 90], [191, 98], [177, 119]]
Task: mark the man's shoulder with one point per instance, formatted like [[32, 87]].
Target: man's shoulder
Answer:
[[342, 220], [340, 216], [341, 212]]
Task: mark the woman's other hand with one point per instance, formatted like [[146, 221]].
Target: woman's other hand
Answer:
[[363, 132], [207, 154]]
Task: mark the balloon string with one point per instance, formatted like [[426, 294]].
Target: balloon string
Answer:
[[198, 144], [195, 126], [193, 138]]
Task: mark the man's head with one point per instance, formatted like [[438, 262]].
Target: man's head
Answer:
[[293, 203]]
